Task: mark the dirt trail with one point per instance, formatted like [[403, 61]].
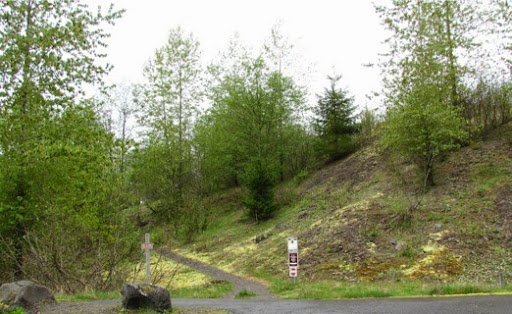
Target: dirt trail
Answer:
[[238, 283]]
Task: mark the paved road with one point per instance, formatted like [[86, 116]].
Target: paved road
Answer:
[[441, 305]]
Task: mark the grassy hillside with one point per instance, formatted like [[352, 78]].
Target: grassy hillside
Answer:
[[360, 221]]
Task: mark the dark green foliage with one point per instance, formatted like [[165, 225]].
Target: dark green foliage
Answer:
[[260, 178], [335, 121]]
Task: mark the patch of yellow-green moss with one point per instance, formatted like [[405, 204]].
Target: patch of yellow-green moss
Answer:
[[437, 236], [3, 306], [371, 247], [438, 264], [373, 268]]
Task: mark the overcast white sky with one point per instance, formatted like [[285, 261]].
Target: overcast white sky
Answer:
[[344, 34]]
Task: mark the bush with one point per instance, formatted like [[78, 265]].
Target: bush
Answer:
[[260, 179], [421, 128]]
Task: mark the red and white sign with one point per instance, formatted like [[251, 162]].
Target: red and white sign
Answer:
[[293, 259], [293, 271]]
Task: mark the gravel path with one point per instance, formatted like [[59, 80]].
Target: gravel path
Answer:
[[86, 307], [238, 282]]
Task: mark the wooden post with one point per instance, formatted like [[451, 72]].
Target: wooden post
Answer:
[[147, 246], [501, 279]]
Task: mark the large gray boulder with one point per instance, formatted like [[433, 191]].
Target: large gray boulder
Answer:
[[142, 296], [25, 294]]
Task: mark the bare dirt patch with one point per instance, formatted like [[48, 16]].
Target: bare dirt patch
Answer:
[[503, 204]]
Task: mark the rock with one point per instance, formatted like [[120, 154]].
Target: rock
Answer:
[[259, 238], [400, 245], [339, 248], [303, 214], [262, 237], [25, 294], [393, 242], [438, 227], [142, 296]]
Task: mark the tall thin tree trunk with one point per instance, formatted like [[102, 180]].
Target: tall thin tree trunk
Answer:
[[452, 75], [21, 189], [123, 143], [180, 143]]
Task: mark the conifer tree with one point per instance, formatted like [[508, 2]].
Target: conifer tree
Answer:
[[335, 121]]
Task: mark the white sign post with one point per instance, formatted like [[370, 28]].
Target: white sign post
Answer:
[[147, 246], [293, 258]]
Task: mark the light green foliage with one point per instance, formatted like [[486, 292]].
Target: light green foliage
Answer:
[[428, 40], [367, 124], [423, 128], [164, 167], [57, 178], [17, 310], [250, 124], [168, 102], [423, 79], [213, 290]]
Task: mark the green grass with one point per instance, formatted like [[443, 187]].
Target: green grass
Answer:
[[215, 290], [460, 289], [244, 294], [88, 296], [345, 290], [17, 310]]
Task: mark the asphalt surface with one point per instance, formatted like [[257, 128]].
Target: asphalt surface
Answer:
[[436, 305]]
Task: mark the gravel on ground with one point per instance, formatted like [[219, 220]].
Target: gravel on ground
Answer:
[[238, 282]]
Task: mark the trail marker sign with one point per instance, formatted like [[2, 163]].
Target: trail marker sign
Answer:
[[293, 258]]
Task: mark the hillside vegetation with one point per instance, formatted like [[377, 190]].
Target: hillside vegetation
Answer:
[[224, 158], [349, 219]]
